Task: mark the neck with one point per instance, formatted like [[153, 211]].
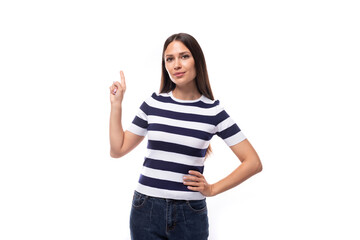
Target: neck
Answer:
[[186, 93]]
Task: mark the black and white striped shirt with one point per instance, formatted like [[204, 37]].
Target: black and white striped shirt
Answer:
[[179, 133]]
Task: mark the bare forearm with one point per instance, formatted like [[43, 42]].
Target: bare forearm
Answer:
[[247, 169], [116, 129]]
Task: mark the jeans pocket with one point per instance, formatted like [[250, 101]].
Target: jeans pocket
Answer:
[[139, 200], [197, 205]]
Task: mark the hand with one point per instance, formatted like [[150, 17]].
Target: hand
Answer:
[[117, 90], [197, 182]]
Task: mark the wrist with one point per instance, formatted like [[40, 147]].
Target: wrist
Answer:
[[116, 106], [213, 190]]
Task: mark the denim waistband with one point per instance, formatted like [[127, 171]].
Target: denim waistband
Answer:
[[165, 199]]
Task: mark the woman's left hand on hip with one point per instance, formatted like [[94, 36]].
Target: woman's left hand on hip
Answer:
[[197, 182]]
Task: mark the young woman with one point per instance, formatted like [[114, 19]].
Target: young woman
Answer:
[[169, 202]]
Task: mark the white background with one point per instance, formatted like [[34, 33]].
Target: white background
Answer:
[[286, 72]]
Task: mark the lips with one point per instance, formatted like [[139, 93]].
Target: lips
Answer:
[[179, 74]]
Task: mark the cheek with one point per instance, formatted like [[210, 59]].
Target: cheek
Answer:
[[168, 72], [193, 70], [192, 66], [194, 74], [167, 69]]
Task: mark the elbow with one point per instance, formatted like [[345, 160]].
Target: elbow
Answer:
[[254, 165], [115, 154], [259, 166]]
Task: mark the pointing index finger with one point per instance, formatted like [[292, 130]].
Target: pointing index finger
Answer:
[[122, 77]]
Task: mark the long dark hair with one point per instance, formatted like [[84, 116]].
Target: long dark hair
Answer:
[[201, 79]]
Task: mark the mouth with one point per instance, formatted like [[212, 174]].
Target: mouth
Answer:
[[179, 74]]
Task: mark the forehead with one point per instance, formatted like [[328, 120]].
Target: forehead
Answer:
[[176, 47]]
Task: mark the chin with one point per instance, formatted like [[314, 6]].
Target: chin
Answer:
[[180, 83]]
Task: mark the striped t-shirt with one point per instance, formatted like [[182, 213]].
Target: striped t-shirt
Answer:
[[179, 133]]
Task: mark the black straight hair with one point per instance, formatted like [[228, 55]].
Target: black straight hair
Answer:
[[201, 79]]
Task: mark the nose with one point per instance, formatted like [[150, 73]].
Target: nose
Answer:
[[177, 64]]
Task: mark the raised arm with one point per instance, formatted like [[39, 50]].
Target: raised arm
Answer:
[[120, 142]]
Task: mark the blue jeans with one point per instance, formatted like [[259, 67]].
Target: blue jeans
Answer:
[[158, 218]]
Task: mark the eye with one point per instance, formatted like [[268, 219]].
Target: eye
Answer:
[[169, 59], [185, 56]]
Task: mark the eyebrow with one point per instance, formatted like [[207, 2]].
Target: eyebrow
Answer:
[[182, 53]]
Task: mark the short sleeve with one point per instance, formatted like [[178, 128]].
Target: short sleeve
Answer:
[[140, 123], [227, 129]]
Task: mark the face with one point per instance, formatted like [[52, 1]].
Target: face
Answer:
[[180, 64]]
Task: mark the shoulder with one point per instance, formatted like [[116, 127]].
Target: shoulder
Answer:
[[146, 102], [151, 96], [159, 97], [213, 103]]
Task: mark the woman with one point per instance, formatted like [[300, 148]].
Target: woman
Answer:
[[169, 202]]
